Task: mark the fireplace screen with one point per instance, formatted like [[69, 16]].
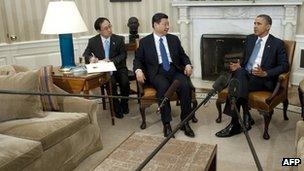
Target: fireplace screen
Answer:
[[217, 51]]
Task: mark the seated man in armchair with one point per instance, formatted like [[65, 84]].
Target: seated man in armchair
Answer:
[[264, 60]]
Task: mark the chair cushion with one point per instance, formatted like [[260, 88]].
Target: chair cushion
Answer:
[[49, 103], [16, 153], [19, 106], [49, 130]]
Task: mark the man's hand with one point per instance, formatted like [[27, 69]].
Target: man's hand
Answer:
[[107, 60], [93, 59], [258, 71], [188, 70], [140, 76], [234, 66]]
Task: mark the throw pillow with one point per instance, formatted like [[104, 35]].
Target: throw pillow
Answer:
[[49, 103], [14, 106]]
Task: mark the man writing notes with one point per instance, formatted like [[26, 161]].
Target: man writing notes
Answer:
[[110, 47]]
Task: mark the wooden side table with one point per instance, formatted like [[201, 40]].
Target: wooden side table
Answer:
[[76, 84]]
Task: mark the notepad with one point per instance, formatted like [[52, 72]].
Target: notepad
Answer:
[[101, 66]]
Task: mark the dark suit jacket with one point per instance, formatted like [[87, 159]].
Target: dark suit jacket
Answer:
[[117, 54], [146, 55], [274, 59]]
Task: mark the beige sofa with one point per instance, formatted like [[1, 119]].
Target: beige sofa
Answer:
[[299, 144], [59, 140]]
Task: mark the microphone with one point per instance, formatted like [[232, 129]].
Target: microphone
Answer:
[[219, 84], [233, 94], [169, 93]]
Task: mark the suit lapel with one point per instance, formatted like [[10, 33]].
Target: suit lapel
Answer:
[[100, 46], [170, 44], [154, 51], [266, 50], [112, 46]]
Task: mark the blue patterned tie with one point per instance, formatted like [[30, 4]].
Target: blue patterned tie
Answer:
[[107, 48], [254, 55], [163, 54]]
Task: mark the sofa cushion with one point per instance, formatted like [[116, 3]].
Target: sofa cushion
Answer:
[[49, 130], [49, 103], [16, 153], [19, 106]]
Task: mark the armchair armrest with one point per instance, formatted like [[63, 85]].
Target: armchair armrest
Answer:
[[81, 105], [279, 86], [299, 131]]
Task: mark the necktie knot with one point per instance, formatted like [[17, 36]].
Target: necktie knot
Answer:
[[259, 41], [161, 39]]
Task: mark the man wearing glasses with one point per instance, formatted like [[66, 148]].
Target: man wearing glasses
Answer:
[[110, 47]]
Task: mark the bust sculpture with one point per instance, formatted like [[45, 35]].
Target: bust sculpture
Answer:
[[133, 25]]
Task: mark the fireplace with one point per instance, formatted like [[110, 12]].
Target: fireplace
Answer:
[[217, 51]]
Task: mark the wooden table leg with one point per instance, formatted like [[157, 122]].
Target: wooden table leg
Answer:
[[86, 92]]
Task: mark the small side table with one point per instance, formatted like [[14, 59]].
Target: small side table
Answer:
[[76, 84]]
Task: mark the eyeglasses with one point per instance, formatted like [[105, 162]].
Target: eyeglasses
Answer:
[[106, 27]]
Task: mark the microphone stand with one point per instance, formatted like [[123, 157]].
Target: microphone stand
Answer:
[[255, 157], [145, 162]]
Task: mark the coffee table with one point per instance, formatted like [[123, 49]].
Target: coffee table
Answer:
[[175, 155]]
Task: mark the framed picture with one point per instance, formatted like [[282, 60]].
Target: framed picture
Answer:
[[125, 0]]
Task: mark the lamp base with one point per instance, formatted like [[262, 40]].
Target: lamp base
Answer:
[[67, 52]]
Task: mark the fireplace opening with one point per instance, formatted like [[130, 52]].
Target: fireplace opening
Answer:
[[217, 50]]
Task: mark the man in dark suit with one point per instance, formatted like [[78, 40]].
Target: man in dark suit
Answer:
[[110, 47], [264, 60], [161, 57]]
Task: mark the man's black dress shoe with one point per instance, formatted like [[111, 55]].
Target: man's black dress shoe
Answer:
[[118, 112], [125, 108], [167, 130], [230, 130], [194, 119], [187, 130]]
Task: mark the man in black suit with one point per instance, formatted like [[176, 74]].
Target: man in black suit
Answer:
[[264, 60], [110, 47], [161, 57]]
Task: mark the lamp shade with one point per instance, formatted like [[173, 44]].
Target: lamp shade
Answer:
[[63, 17]]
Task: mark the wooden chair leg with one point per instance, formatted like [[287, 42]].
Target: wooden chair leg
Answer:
[[219, 109], [194, 105], [267, 119], [285, 106], [143, 117], [102, 89]]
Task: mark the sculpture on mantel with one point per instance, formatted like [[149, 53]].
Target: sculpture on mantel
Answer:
[[133, 25]]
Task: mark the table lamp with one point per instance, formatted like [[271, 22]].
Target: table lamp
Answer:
[[63, 18]]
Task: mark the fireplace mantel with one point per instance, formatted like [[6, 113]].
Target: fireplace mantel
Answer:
[[231, 17], [185, 3]]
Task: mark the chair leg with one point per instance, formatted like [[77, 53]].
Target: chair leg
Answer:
[[285, 106], [102, 89], [194, 105], [219, 109], [267, 119], [143, 117]]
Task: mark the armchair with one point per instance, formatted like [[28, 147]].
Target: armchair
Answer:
[[265, 101]]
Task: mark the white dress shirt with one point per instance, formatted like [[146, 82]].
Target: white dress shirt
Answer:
[[156, 40], [258, 60]]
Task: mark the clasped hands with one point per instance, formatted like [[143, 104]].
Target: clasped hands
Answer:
[[140, 76], [93, 59], [257, 71]]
